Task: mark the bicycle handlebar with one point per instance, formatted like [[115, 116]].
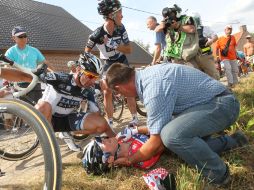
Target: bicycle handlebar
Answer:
[[23, 91]]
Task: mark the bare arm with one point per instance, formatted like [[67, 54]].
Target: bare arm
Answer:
[[189, 29], [126, 49], [14, 75], [87, 49], [152, 147], [160, 27], [245, 50], [157, 53]]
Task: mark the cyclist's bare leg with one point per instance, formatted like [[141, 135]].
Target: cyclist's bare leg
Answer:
[[95, 123], [107, 100], [45, 108]]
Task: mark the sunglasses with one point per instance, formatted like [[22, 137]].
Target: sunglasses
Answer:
[[89, 75], [22, 36]]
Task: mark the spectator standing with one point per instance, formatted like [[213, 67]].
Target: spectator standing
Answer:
[[26, 56], [248, 49], [159, 43], [207, 37], [226, 52]]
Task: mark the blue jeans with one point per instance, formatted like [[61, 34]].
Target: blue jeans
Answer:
[[184, 135]]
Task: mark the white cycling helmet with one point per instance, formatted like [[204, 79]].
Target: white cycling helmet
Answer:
[[91, 63], [71, 63], [93, 161]]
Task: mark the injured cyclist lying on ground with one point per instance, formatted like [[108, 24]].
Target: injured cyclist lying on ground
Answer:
[[102, 152]]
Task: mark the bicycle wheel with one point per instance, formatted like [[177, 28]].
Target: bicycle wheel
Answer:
[[141, 108], [118, 105], [47, 172], [26, 141]]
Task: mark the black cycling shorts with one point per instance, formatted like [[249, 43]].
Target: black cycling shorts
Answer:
[[71, 122]]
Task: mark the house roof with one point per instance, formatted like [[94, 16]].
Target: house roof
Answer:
[[49, 27], [139, 55]]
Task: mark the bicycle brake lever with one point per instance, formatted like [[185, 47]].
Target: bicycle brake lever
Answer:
[[5, 59]]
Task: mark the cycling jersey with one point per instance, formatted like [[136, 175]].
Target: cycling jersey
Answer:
[[97, 38], [64, 95], [137, 142]]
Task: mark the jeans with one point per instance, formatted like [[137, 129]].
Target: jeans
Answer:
[[184, 135]]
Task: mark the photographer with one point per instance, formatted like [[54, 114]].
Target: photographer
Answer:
[[205, 59], [181, 36]]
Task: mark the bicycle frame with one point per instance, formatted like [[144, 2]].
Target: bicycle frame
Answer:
[[22, 91]]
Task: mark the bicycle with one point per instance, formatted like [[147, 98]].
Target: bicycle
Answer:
[[32, 119], [140, 108], [118, 103]]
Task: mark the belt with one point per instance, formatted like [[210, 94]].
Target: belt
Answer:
[[224, 93]]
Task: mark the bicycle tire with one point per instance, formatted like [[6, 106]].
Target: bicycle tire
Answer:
[[140, 108], [21, 155], [29, 151], [46, 137], [118, 104]]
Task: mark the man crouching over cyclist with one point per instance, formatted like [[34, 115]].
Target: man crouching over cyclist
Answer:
[[63, 96]]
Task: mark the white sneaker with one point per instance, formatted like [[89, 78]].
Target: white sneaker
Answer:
[[69, 141]]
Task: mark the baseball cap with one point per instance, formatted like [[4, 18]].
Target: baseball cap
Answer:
[[228, 26], [18, 30], [248, 36]]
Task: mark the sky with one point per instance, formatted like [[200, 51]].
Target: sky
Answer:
[[216, 14]]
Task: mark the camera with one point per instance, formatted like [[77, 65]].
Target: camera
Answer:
[[170, 14]]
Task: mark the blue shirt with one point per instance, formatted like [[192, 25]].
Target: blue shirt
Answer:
[[169, 89], [240, 54], [29, 57], [160, 39]]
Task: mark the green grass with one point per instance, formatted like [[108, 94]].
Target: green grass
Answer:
[[240, 161]]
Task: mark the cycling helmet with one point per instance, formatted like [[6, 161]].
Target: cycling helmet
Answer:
[[93, 159], [197, 18], [71, 63], [90, 62], [105, 7]]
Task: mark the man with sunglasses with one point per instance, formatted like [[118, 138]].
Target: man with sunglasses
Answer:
[[26, 56], [113, 42], [63, 95], [61, 99]]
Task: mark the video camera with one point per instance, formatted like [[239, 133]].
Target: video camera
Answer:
[[170, 14]]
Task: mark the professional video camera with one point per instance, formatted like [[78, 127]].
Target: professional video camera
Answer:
[[171, 14]]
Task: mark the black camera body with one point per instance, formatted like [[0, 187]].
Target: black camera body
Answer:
[[170, 14]]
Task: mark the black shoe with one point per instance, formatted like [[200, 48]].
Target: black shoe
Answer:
[[169, 183], [225, 179], [240, 138]]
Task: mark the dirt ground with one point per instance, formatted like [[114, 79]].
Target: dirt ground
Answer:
[[26, 173]]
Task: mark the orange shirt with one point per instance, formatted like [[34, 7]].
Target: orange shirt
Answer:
[[221, 43]]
